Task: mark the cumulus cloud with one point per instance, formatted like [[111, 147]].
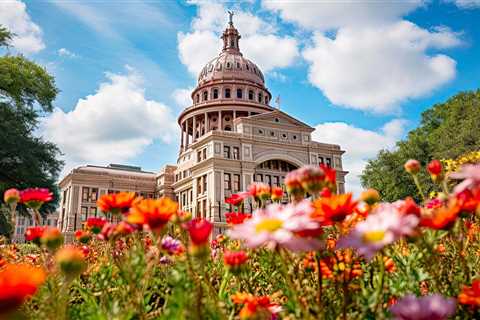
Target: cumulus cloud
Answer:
[[376, 69], [183, 97], [467, 4], [259, 42], [63, 52], [112, 125], [360, 145], [364, 56], [28, 35]]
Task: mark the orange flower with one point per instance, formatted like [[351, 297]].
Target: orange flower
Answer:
[[71, 261], [442, 217], [255, 307], [277, 193], [152, 212], [117, 202], [334, 208], [470, 295], [17, 283], [389, 264]]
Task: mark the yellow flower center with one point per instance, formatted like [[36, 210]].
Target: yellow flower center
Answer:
[[373, 236], [269, 225]]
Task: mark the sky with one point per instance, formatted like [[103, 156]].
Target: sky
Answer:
[[360, 73]]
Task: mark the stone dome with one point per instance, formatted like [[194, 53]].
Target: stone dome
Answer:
[[230, 63]]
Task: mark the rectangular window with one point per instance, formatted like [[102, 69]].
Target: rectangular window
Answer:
[[227, 93], [239, 93], [236, 183], [227, 181], [93, 211], [321, 160], [93, 194], [328, 162], [204, 152], [276, 181], [226, 152], [199, 185], [268, 179], [199, 156], [85, 192], [258, 177], [83, 213], [236, 153], [64, 196], [204, 183]]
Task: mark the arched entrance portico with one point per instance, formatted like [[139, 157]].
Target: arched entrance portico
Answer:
[[273, 171]]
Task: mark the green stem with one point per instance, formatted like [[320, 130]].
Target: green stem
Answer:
[[419, 187], [379, 292], [226, 277]]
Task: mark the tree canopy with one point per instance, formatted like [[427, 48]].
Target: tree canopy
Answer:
[[447, 130], [27, 92]]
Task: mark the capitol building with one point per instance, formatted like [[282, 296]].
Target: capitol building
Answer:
[[231, 136]]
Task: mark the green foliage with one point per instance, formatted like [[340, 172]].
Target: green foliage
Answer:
[[447, 130], [5, 36], [27, 92]]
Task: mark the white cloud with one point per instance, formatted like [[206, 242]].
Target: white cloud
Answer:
[[27, 35], [468, 4], [63, 52], [112, 125], [376, 69], [360, 145], [183, 97], [328, 15], [259, 41]]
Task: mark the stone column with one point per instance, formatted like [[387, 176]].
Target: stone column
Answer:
[[220, 126], [182, 134], [194, 131], [206, 122], [187, 137]]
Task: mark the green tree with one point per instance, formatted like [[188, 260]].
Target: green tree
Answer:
[[27, 92], [447, 130]]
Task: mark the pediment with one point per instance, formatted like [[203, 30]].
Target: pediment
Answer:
[[279, 117]]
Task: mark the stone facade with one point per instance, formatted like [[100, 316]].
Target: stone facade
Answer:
[[230, 137]]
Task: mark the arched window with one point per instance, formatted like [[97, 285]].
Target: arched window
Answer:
[[227, 93], [215, 93], [205, 95], [239, 94], [248, 68], [228, 128], [197, 98], [260, 97], [250, 95], [266, 100]]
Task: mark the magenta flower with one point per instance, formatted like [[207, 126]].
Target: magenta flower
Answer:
[[471, 177], [172, 246], [278, 225], [384, 226], [431, 307]]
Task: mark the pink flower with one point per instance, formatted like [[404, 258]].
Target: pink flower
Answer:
[[432, 307], [471, 177], [278, 225], [237, 198], [384, 226]]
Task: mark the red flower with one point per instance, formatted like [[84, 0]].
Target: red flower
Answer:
[[152, 212], [34, 198], [469, 200], [237, 198], [442, 217], [330, 174], [412, 166], [277, 193], [17, 283], [334, 208], [471, 295], [117, 202], [95, 224], [199, 231], [112, 231], [11, 196], [34, 234], [434, 167], [83, 236], [259, 190], [408, 206], [234, 259], [237, 217]]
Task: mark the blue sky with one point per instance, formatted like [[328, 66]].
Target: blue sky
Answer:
[[360, 72]]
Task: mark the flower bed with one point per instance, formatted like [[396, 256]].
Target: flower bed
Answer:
[[321, 256]]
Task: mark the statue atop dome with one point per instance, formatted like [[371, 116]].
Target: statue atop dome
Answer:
[[230, 17]]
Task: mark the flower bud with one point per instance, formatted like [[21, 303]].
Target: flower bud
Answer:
[[412, 166], [435, 170], [52, 238], [11, 196], [71, 261], [312, 178], [235, 261], [370, 196], [83, 236]]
